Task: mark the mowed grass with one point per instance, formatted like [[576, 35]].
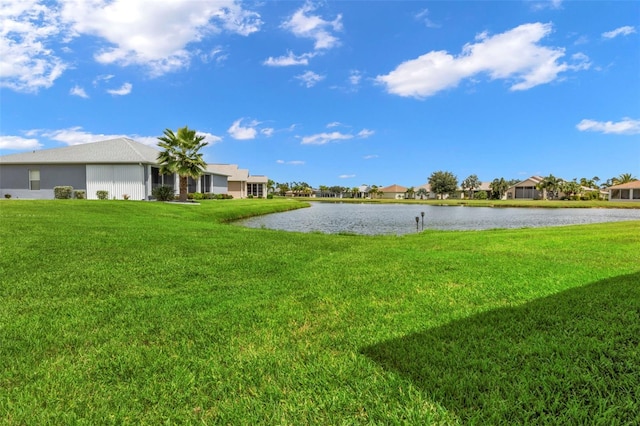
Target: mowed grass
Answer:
[[115, 312]]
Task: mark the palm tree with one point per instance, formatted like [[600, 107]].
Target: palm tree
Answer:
[[373, 191], [623, 178], [498, 188], [422, 193], [181, 156], [550, 186], [354, 191], [470, 184], [411, 191]]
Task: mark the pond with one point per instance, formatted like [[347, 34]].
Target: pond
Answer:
[[398, 219]]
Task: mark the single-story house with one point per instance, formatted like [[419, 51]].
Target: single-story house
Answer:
[[120, 166], [394, 192], [241, 184], [363, 192], [625, 191], [429, 194], [484, 186], [525, 190]]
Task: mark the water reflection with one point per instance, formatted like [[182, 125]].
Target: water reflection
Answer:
[[398, 219]]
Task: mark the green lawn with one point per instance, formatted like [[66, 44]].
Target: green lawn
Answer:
[[150, 313]]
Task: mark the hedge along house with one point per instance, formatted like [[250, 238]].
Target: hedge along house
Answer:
[[120, 166], [625, 191]]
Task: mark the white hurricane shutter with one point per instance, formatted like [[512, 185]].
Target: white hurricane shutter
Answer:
[[117, 179]]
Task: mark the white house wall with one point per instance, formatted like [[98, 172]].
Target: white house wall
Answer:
[[117, 179]]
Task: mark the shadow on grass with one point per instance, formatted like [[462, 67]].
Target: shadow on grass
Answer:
[[570, 358]]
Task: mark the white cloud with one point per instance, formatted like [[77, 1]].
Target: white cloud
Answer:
[[155, 35], [243, 133], [104, 77], [334, 124], [365, 133], [627, 126], [355, 77], [310, 78], [514, 55], [78, 91], [27, 62], [547, 4], [267, 131], [125, 89], [346, 176], [626, 30], [369, 157], [304, 24], [423, 16], [324, 138], [18, 143], [216, 54], [293, 162], [77, 136], [209, 137], [289, 60]]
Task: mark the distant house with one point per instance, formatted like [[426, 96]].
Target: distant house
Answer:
[[120, 166], [430, 194], [525, 190], [484, 186], [240, 183], [625, 192], [394, 192]]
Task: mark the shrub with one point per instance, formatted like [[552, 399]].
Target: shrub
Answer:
[[62, 192], [163, 193], [80, 194], [224, 197], [209, 195], [250, 196], [102, 194], [480, 195], [195, 196], [591, 195], [269, 196], [7, 196]]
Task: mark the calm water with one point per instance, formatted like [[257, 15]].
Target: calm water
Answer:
[[400, 219]]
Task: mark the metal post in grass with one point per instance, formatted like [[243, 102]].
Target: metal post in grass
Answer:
[[422, 214], [417, 222]]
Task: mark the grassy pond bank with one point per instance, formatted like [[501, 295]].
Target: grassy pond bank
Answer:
[[120, 312]]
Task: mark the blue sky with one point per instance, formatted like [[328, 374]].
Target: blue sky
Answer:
[[334, 92]]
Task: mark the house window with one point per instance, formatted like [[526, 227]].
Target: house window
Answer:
[[625, 193], [159, 180], [255, 189], [192, 185], [34, 180], [636, 194], [205, 183]]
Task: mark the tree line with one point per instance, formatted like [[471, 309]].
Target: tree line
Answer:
[[444, 183]]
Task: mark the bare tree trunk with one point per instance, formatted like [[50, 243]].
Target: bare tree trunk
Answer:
[[183, 188]]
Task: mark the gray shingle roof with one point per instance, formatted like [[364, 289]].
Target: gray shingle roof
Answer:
[[231, 170], [112, 151]]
